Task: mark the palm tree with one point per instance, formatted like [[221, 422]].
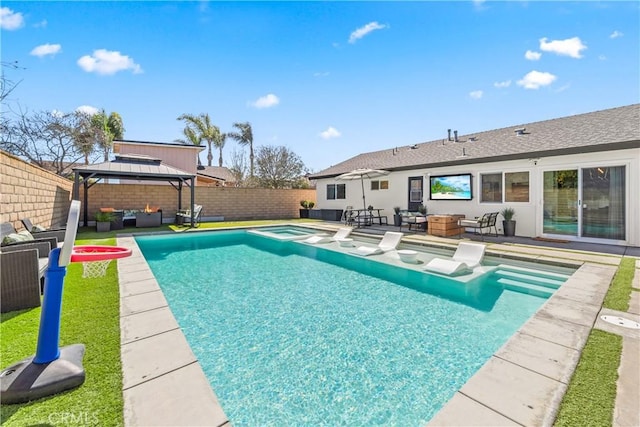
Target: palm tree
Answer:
[[202, 126], [244, 137], [219, 144], [191, 137], [107, 128]]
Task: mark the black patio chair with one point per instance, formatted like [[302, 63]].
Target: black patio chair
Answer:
[[486, 221]]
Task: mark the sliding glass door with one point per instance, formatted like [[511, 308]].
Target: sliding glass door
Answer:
[[560, 202], [603, 203], [588, 202]]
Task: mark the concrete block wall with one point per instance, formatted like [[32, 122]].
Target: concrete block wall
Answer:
[[32, 192], [232, 203]]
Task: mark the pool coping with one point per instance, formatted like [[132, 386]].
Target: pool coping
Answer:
[[521, 384]]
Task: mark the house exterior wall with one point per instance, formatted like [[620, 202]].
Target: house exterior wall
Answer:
[[28, 191], [529, 215], [183, 158]]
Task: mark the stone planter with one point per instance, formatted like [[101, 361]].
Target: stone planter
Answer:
[[509, 228], [102, 227], [304, 213]]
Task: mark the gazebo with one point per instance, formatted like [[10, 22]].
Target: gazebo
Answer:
[[133, 167]]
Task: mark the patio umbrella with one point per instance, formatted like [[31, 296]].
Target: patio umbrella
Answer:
[[361, 174]]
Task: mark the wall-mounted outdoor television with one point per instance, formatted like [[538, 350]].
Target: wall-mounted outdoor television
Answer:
[[450, 187]]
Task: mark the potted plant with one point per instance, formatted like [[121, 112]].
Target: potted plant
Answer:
[[422, 209], [306, 205], [103, 221], [397, 218], [509, 224]]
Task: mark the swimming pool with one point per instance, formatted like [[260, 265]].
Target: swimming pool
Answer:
[[316, 341]]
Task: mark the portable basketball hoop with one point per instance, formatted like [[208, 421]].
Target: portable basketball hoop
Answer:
[[96, 259], [53, 369]]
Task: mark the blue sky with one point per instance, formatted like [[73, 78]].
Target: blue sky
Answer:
[[328, 80]]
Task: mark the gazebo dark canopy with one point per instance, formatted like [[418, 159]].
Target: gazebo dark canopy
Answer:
[[135, 167]]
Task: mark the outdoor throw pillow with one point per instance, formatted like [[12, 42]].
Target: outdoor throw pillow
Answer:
[[26, 235], [23, 236], [37, 228]]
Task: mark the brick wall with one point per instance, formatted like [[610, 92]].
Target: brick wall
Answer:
[[27, 191], [232, 203]]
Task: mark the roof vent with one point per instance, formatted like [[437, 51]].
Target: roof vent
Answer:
[[414, 147], [448, 134], [473, 138], [455, 135], [464, 153], [520, 131]]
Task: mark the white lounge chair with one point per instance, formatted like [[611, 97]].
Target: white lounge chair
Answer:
[[389, 242], [342, 233], [464, 260]]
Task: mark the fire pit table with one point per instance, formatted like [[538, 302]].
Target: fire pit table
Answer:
[[149, 219]]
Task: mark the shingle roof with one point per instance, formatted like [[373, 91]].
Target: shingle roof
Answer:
[[612, 129], [218, 172]]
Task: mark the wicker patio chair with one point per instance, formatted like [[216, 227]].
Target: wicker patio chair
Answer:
[[19, 279]]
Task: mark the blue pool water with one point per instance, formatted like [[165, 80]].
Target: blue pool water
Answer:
[[290, 334]]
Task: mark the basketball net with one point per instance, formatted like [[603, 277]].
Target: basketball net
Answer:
[[93, 269]]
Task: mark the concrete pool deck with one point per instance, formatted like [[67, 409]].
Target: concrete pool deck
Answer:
[[521, 384]]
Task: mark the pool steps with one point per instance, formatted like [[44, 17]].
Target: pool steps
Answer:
[[530, 282]]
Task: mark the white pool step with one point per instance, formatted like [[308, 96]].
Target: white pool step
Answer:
[[526, 288], [531, 278], [550, 274]]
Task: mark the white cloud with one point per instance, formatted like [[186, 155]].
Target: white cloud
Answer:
[[330, 133], [266, 101], [10, 20], [532, 56], [87, 109], [323, 74], [569, 47], [602, 57], [41, 24], [616, 34], [46, 49], [363, 31], [56, 113], [107, 62], [536, 79], [476, 94], [503, 84]]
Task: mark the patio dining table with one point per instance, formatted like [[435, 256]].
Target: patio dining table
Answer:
[[367, 216]]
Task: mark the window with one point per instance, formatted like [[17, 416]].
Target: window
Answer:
[[491, 188], [516, 187], [379, 185], [336, 191]]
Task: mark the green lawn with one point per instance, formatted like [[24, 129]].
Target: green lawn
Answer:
[[593, 384], [90, 315], [591, 395]]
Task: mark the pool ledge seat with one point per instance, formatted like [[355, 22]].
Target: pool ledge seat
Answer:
[[447, 267], [464, 260], [342, 233], [389, 242]]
